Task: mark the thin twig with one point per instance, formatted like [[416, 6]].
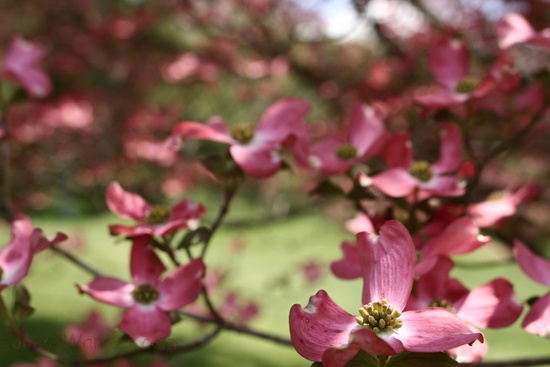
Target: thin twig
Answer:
[[76, 261]]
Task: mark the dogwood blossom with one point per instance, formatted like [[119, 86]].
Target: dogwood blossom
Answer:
[[147, 298], [323, 331]]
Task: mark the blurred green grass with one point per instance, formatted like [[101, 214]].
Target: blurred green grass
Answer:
[[267, 270]]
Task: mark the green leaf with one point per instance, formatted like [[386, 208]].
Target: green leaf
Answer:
[[22, 303], [199, 235], [363, 359], [422, 360]]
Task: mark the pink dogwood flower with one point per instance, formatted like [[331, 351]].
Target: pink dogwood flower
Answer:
[[405, 175], [20, 65], [363, 137], [502, 205], [89, 334], [449, 62], [17, 255], [323, 331], [255, 152], [529, 49], [147, 298], [152, 220], [492, 305], [537, 320]]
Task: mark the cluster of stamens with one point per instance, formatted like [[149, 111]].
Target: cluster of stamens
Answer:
[[346, 151], [442, 303], [242, 133], [145, 294], [421, 170], [158, 214], [379, 316], [467, 85]]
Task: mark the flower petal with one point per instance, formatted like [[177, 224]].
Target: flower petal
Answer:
[[434, 330], [394, 182], [348, 267], [438, 97], [110, 290], [322, 324], [459, 237], [16, 256], [258, 161], [449, 62], [450, 151], [536, 267], [182, 286], [491, 305], [126, 204], [283, 119], [470, 353], [145, 325], [387, 263], [398, 151], [513, 28], [537, 320], [145, 265], [366, 130], [324, 158], [196, 130]]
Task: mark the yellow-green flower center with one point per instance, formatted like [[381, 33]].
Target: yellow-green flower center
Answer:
[[158, 214], [145, 294], [346, 151], [421, 170], [242, 133], [442, 303], [497, 195], [467, 85], [379, 316]]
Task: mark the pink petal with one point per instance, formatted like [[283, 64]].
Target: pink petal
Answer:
[[448, 186], [491, 305], [365, 131], [470, 353], [488, 213], [41, 242], [20, 63], [145, 325], [459, 237], [196, 130], [430, 288], [130, 231], [398, 151], [364, 339], [434, 330], [536, 267], [450, 151], [260, 162], [282, 119], [145, 265], [348, 267], [438, 97], [323, 157], [322, 324], [182, 286], [387, 263], [188, 210], [513, 28], [110, 290], [449, 62], [16, 256], [394, 182], [360, 223], [537, 320], [126, 204]]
